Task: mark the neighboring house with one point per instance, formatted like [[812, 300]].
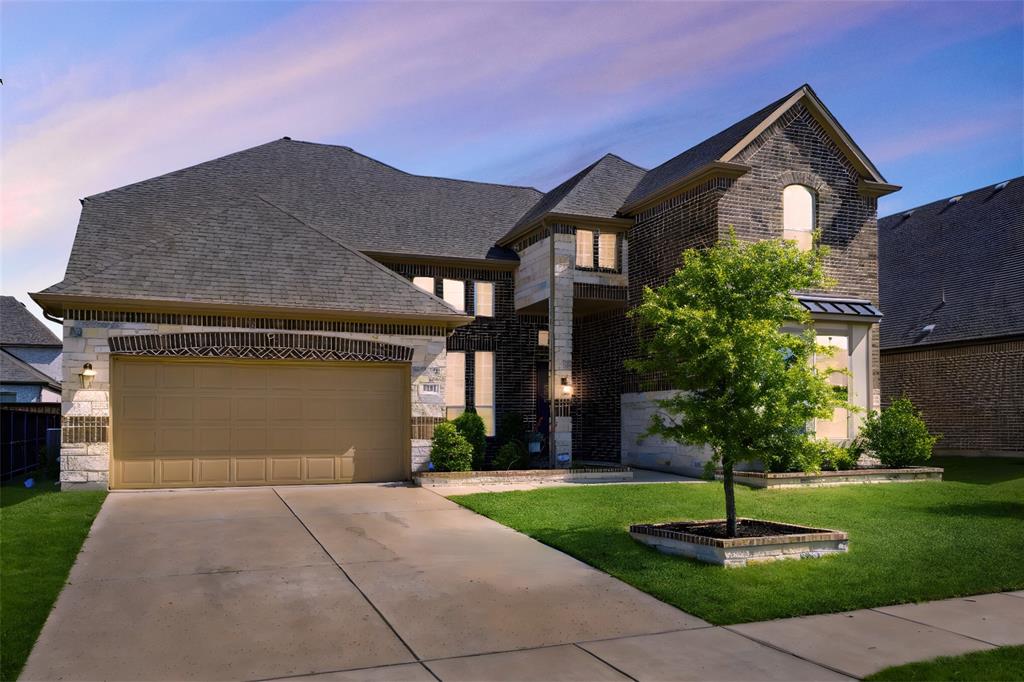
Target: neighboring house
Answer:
[[299, 312], [30, 356], [952, 289]]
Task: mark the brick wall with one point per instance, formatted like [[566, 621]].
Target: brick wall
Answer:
[[969, 393]]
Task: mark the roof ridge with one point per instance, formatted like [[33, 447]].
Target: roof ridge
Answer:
[[117, 261], [360, 254], [943, 200], [616, 156], [405, 172]]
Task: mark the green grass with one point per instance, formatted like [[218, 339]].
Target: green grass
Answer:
[[1005, 664], [908, 541], [41, 531]]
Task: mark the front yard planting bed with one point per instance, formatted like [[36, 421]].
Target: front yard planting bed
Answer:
[[825, 479], [593, 474], [910, 542], [41, 531]]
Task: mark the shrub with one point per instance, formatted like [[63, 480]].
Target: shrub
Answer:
[[512, 427], [899, 436], [839, 458], [511, 455], [449, 450], [472, 428]]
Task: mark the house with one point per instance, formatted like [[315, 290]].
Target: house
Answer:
[[952, 288], [301, 313], [30, 356]]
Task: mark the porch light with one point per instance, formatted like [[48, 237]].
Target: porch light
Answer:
[[566, 387], [87, 374]]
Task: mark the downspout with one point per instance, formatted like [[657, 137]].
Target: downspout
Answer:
[[552, 456], [51, 318]]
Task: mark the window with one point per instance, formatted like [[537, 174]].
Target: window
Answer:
[[483, 393], [483, 295], [454, 293], [838, 427], [542, 337], [455, 385], [607, 257], [584, 248], [425, 283], [798, 215]]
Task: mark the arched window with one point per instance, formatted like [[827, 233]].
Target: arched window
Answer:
[[798, 215]]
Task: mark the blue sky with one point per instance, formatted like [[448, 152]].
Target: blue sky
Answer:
[[98, 95]]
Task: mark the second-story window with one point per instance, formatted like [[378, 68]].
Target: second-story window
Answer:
[[798, 215], [607, 256], [454, 293], [425, 283], [584, 249], [483, 299]]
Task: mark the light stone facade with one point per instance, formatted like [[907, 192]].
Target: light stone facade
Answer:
[[87, 464], [653, 452]]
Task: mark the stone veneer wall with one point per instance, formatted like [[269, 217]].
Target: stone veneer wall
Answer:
[[85, 452], [652, 452], [970, 393]]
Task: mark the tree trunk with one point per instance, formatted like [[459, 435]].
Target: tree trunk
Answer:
[[730, 498]]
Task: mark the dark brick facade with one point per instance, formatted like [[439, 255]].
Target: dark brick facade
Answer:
[[795, 150], [512, 338], [970, 393]]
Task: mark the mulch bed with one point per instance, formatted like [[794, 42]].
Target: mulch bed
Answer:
[[745, 528]]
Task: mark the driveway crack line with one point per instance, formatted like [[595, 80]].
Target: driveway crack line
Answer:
[[349, 578], [844, 673], [936, 627], [618, 670]]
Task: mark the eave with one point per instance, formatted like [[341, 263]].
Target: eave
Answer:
[[873, 190], [571, 218], [412, 259], [56, 304], [709, 171]]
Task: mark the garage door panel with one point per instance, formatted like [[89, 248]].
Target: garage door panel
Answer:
[[215, 423]]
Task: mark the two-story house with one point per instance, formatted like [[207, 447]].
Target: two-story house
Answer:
[[301, 313]]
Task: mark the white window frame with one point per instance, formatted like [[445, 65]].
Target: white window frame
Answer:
[[483, 299], [455, 384], [484, 388], [454, 293], [585, 249]]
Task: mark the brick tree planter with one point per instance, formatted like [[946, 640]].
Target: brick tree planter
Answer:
[[798, 479], [435, 479], [790, 542]]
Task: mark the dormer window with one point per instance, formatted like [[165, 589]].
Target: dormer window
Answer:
[[799, 219]]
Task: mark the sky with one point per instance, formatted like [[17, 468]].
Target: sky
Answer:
[[99, 95]]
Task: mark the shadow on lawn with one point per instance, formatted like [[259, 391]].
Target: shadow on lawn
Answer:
[[987, 509], [980, 470]]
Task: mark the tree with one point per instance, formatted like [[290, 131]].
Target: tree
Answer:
[[715, 331]]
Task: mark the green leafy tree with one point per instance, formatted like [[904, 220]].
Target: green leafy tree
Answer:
[[449, 450], [472, 428], [715, 331]]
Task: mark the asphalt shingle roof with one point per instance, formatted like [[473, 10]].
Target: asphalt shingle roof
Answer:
[[958, 265], [245, 250], [15, 371], [20, 327], [711, 149], [597, 191]]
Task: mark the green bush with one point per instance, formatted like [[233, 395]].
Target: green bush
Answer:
[[839, 458], [472, 428], [899, 436], [512, 427], [512, 455], [449, 450]]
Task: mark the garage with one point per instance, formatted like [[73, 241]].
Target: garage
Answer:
[[184, 422]]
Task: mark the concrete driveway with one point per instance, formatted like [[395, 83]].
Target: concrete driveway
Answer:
[[356, 582]]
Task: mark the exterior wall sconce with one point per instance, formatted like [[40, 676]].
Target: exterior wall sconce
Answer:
[[566, 387], [87, 374]]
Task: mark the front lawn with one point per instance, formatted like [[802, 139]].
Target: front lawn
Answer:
[[908, 541], [41, 531], [1005, 664]]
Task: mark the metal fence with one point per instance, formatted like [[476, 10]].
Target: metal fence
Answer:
[[23, 429]]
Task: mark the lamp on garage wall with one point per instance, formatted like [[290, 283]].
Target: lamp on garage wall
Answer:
[[566, 387], [87, 374]]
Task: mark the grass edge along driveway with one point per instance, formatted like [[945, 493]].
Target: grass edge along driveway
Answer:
[[41, 531], [908, 541], [1005, 664]]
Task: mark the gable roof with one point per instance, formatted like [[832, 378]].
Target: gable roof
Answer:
[[19, 327], [16, 371], [955, 264], [597, 191], [246, 251], [722, 148]]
